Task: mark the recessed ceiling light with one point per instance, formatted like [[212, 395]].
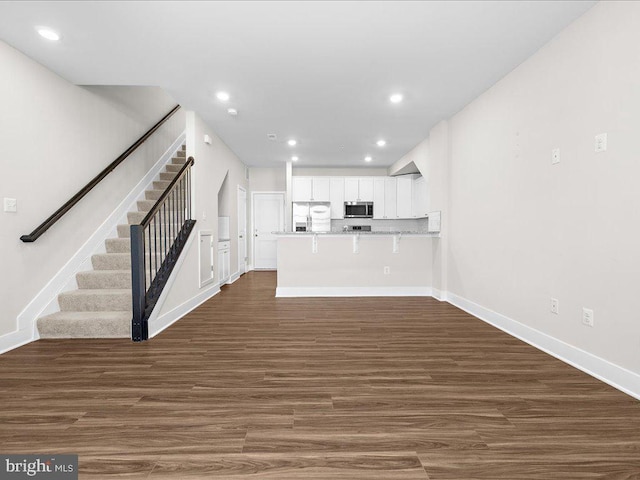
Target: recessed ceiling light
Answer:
[[46, 32], [367, 159], [294, 159], [223, 96], [292, 143], [232, 111], [381, 143], [396, 98]]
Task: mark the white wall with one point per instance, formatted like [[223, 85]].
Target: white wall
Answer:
[[272, 179], [212, 164], [56, 137], [521, 230]]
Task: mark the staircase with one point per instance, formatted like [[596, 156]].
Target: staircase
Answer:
[[101, 306]]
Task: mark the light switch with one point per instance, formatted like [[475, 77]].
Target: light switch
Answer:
[[10, 205], [555, 156]]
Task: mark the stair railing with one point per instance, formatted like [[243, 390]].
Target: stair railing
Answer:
[[156, 244], [58, 214]]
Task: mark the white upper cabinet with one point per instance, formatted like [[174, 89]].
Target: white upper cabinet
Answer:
[[358, 189], [321, 189], [366, 189], [404, 196], [310, 189], [351, 189], [336, 187], [419, 204], [379, 203], [390, 198], [301, 189]]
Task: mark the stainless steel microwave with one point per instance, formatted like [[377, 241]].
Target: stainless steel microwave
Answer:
[[358, 209]]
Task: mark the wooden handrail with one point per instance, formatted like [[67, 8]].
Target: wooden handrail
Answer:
[[57, 215]]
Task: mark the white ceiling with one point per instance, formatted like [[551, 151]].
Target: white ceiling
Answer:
[[320, 72]]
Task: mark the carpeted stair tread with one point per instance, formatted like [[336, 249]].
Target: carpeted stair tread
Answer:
[[85, 325], [95, 300], [104, 279], [168, 175], [118, 245], [111, 261], [153, 194]]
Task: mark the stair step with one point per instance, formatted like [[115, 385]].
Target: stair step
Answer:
[[111, 261], [182, 153], [168, 175], [153, 194], [95, 279], [160, 185], [96, 300], [124, 231], [135, 217], [145, 205], [85, 325], [179, 160], [173, 167], [118, 245]]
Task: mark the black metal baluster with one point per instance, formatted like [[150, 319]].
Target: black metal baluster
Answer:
[[155, 242]]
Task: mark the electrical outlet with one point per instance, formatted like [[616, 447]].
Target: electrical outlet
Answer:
[[387, 270], [555, 156], [10, 205], [601, 142], [555, 305], [587, 317]]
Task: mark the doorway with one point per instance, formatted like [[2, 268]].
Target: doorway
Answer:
[[268, 217]]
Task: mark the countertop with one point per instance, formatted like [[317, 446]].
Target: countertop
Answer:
[[359, 232]]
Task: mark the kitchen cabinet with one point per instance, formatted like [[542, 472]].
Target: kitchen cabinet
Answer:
[[320, 188], [336, 197], [310, 189], [419, 197], [390, 198], [301, 189], [378, 198], [404, 197], [358, 189], [384, 198], [224, 262]]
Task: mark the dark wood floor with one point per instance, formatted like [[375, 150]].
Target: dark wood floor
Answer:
[[252, 387]]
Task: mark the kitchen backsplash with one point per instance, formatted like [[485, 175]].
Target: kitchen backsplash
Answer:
[[409, 225]]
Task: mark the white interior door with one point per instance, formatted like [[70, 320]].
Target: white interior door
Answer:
[[268, 217], [242, 230]]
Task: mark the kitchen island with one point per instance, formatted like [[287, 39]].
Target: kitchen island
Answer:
[[353, 264]]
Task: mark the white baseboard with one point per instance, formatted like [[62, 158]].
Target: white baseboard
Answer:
[[15, 339], [234, 277], [46, 300], [164, 321], [439, 294], [618, 377], [353, 291]]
